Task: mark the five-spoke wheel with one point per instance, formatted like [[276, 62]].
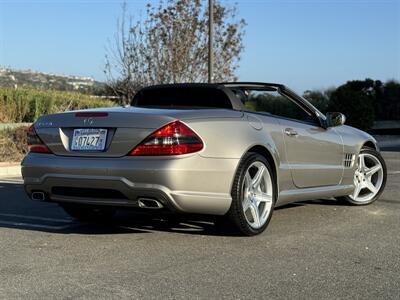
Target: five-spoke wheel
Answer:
[[369, 178], [253, 195], [257, 194]]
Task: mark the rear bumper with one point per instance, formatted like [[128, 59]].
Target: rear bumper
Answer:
[[191, 183]]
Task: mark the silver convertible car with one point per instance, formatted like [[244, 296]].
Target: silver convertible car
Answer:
[[234, 150]]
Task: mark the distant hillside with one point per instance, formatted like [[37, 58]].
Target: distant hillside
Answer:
[[28, 78]]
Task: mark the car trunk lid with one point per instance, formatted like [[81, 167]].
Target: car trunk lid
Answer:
[[126, 127], [124, 130]]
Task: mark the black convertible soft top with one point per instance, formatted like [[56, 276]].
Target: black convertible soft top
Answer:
[[187, 95], [208, 95]]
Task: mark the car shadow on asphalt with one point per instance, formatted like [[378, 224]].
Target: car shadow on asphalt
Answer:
[[332, 202], [129, 223], [19, 212]]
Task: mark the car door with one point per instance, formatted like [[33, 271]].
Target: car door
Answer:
[[313, 153]]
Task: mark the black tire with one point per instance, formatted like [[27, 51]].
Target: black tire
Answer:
[[235, 216], [87, 213], [349, 200]]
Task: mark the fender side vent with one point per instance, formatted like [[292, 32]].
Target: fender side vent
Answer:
[[348, 160]]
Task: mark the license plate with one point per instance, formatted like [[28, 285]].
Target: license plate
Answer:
[[89, 139]]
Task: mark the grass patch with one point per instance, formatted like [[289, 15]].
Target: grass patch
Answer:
[[27, 104]]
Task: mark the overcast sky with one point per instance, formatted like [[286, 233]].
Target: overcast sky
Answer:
[[304, 44]]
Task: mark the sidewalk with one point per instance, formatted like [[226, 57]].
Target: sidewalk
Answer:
[[10, 169], [388, 142]]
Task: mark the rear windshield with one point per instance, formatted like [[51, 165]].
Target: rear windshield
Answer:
[[182, 97]]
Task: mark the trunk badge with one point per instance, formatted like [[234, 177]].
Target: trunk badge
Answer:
[[88, 121]]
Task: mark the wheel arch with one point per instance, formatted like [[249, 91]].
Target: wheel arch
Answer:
[[269, 156], [262, 150], [370, 144]]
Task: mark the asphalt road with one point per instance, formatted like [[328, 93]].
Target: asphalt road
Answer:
[[316, 249]]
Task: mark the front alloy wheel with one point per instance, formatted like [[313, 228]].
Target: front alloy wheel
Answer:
[[369, 178]]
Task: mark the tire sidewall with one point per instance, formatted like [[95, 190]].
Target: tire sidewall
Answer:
[[382, 161], [236, 213]]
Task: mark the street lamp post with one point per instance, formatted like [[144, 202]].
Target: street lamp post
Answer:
[[210, 40]]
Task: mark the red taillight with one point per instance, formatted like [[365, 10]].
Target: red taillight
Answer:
[[173, 139], [35, 144]]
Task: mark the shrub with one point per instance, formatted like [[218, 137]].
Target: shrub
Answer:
[[13, 144]]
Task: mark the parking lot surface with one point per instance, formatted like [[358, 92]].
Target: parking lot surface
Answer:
[[314, 249]]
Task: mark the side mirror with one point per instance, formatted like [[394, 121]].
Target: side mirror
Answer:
[[335, 119]]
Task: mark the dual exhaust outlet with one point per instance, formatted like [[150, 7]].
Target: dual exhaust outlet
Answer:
[[147, 203]]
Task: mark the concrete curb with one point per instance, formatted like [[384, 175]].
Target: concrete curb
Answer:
[[13, 125], [10, 170]]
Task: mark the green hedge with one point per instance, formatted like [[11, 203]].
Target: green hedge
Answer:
[[26, 105]]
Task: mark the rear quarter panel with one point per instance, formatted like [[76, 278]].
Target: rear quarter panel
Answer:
[[227, 138]]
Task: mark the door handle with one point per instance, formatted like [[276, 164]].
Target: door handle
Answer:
[[291, 132]]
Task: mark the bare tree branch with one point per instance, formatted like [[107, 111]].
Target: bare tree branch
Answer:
[[170, 45]]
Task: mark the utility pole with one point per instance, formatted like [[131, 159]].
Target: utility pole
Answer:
[[210, 40]]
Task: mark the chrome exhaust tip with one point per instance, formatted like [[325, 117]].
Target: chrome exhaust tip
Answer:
[[150, 203], [38, 196]]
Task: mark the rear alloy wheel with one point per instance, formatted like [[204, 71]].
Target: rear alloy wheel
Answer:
[[87, 213], [369, 178], [253, 195]]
